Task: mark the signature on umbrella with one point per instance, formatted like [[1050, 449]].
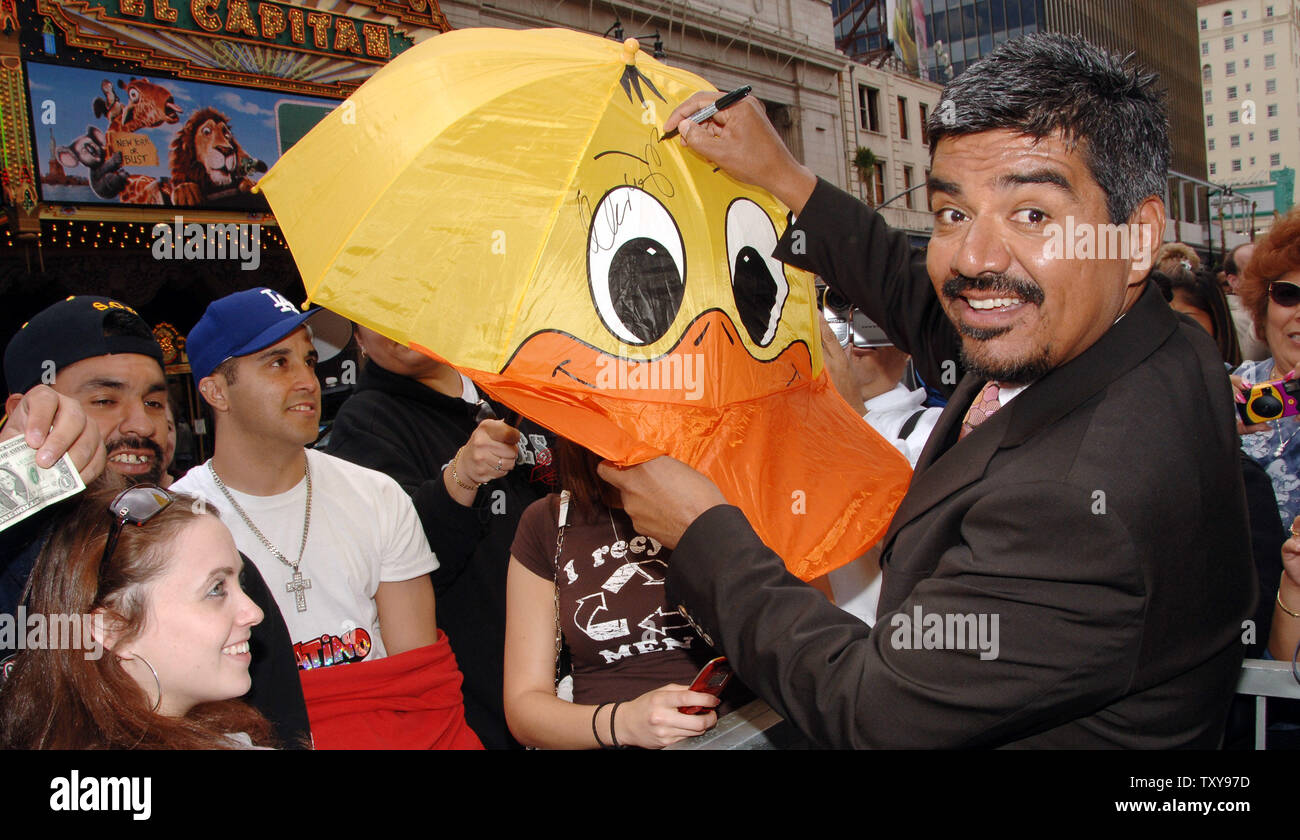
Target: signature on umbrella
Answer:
[[647, 176]]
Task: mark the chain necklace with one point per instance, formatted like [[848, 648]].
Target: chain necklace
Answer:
[[299, 584], [1277, 425]]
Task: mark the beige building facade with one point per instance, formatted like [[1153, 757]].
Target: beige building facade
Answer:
[[1250, 60], [885, 110], [785, 49], [1250, 82]]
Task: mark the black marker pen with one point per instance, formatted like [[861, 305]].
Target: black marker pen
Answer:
[[722, 103]]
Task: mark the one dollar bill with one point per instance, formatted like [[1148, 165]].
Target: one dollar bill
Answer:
[[26, 488]]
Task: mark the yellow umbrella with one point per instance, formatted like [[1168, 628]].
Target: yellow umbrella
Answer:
[[499, 199]]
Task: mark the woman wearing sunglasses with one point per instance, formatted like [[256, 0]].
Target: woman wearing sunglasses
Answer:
[[1270, 291], [156, 577]]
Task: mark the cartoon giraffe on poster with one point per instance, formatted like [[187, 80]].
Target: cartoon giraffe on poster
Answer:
[[147, 105]]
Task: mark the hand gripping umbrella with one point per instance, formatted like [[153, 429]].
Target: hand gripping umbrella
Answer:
[[499, 200]]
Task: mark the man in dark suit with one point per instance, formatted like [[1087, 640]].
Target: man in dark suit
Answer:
[[1070, 565]]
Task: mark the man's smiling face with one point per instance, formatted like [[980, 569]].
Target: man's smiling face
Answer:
[[276, 395], [1021, 309], [125, 394]]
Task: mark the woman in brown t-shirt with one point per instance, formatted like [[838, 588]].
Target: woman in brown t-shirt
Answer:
[[633, 655]]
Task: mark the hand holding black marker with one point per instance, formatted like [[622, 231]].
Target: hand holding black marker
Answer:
[[722, 103]]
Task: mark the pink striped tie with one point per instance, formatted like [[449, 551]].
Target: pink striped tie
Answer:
[[981, 409]]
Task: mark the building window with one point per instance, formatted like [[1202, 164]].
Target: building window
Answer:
[[1205, 48], [1234, 141], [1245, 65], [1212, 168], [1268, 36], [878, 183], [1252, 160], [1272, 109], [1275, 160], [1210, 144], [1273, 135], [902, 118], [1227, 18], [1270, 61], [907, 185], [1250, 137], [1232, 92], [1268, 11], [1209, 119], [925, 120], [869, 108], [1230, 69], [1233, 117], [1209, 96], [1227, 43], [1236, 165], [1270, 85], [1205, 24], [1245, 37]]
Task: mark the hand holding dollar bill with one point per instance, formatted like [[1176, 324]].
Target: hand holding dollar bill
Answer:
[[26, 488]]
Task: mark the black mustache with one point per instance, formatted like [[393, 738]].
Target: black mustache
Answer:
[[997, 283], [135, 443]]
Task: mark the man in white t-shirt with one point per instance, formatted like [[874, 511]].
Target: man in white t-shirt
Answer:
[[340, 546]]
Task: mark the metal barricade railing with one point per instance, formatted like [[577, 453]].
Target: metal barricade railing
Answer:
[[1265, 678], [751, 727], [757, 727]]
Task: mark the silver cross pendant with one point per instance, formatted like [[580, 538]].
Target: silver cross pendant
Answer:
[[297, 587]]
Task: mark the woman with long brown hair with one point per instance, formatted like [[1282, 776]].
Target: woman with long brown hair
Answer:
[[156, 578], [597, 583]]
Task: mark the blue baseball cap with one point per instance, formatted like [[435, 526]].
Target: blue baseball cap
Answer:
[[251, 320]]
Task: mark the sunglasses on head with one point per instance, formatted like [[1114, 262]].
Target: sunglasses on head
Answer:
[[1283, 293], [136, 505]]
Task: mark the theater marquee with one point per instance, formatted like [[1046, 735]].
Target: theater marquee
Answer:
[[292, 47], [259, 22]]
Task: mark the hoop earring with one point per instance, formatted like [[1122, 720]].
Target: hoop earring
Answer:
[[156, 682]]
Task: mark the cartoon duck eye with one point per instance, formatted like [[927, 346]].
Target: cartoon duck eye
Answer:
[[757, 279], [636, 265]]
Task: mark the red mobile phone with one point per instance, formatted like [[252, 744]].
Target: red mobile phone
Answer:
[[711, 679]]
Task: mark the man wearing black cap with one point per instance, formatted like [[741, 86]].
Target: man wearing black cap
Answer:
[[88, 369], [102, 354]]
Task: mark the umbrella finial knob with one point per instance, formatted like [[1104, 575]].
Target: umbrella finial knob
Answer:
[[630, 47]]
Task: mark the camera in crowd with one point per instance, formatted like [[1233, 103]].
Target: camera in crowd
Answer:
[[850, 325], [1270, 401]]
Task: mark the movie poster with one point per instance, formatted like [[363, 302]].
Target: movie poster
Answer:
[[113, 138], [907, 31]]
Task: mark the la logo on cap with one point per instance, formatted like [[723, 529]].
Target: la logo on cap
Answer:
[[281, 302]]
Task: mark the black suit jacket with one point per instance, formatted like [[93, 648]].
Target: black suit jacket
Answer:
[[1097, 521]]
